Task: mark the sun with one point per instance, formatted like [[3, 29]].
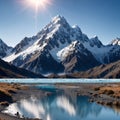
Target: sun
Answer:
[[38, 4]]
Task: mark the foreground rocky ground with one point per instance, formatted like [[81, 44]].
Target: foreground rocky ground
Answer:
[[105, 94]]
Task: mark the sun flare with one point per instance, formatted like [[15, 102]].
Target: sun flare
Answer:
[[38, 4]]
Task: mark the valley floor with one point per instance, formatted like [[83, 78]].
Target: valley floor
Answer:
[[105, 94]]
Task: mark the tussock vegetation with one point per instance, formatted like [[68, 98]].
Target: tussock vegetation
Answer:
[[112, 90], [6, 91]]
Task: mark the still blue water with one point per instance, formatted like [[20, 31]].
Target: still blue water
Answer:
[[61, 106]]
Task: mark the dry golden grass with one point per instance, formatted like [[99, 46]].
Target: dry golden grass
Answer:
[[113, 90], [8, 88], [6, 91]]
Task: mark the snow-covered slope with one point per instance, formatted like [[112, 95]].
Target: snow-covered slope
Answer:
[[55, 36], [76, 57], [57, 45], [4, 49]]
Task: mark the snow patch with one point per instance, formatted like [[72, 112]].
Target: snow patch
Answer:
[[30, 50], [55, 52]]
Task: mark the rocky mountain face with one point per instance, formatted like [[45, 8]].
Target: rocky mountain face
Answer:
[[111, 70], [10, 71], [78, 58], [59, 48], [4, 49]]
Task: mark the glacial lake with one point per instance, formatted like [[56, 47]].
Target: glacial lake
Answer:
[[61, 106]]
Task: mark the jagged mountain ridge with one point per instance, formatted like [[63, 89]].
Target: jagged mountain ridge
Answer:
[[54, 50]]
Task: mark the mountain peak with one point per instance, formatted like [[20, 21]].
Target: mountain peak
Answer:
[[4, 49], [76, 26], [96, 42], [77, 29], [1, 41], [95, 37], [59, 20], [2, 44], [116, 41], [58, 17]]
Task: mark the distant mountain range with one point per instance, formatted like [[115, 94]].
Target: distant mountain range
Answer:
[[60, 48], [111, 70]]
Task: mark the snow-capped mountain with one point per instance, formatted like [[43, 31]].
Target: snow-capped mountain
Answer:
[[116, 41], [4, 49], [59, 47], [113, 51], [76, 57]]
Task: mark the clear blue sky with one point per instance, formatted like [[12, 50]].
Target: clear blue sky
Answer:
[[95, 17]]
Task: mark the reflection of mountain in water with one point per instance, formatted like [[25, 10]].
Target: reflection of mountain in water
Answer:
[[87, 108], [55, 107]]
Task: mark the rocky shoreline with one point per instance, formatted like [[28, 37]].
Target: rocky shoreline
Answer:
[[108, 95], [104, 94]]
